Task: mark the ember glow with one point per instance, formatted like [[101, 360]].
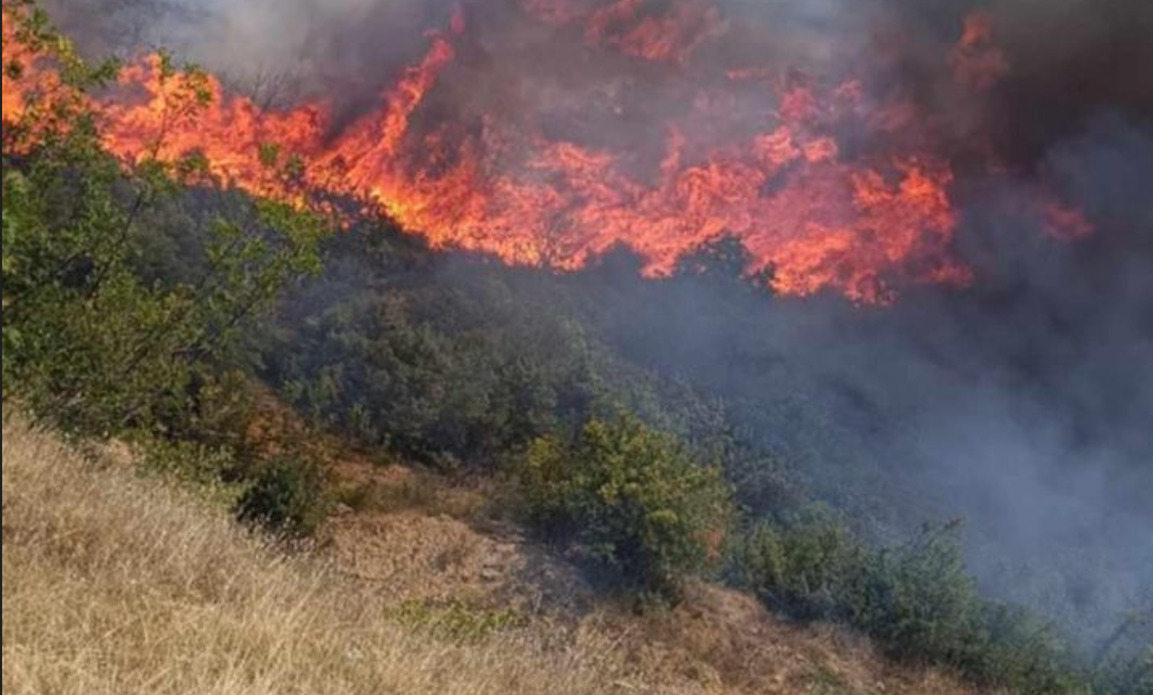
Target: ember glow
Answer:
[[814, 207]]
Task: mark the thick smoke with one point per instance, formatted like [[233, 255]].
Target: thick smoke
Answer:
[[1029, 401], [1068, 58], [279, 51], [1024, 403]]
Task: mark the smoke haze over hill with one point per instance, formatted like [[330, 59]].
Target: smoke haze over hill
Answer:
[[1019, 396]]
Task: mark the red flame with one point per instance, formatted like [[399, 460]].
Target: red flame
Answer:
[[817, 218]]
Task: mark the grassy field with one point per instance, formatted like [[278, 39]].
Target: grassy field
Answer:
[[116, 585], [113, 583]]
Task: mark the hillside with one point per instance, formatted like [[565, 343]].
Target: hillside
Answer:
[[116, 584], [332, 428]]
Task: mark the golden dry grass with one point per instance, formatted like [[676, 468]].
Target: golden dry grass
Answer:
[[113, 584], [117, 584]]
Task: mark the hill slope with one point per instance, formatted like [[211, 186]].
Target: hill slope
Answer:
[[116, 584]]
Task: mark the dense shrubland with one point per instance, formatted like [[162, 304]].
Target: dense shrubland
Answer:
[[138, 306], [914, 599]]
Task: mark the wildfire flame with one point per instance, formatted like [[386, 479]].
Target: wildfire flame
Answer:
[[812, 215]]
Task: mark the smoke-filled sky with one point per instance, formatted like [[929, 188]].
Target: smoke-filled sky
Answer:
[[1024, 401], [1067, 56]]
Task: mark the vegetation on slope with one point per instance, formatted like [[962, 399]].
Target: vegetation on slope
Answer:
[[634, 500], [114, 584], [133, 304]]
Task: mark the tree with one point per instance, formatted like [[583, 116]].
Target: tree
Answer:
[[86, 342]]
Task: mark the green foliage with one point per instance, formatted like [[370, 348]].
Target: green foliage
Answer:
[[1124, 663], [458, 620], [630, 498], [109, 328], [915, 600], [799, 568], [456, 363], [286, 496], [428, 374], [88, 342], [210, 471], [1130, 677]]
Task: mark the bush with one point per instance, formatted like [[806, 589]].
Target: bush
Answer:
[[287, 496], [1134, 677], [212, 472], [629, 498], [800, 569], [1124, 662], [915, 600]]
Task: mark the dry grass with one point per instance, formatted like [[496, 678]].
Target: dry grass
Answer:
[[112, 584], [117, 584]]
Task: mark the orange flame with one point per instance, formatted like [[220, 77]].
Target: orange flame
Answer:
[[665, 38], [33, 90], [805, 211]]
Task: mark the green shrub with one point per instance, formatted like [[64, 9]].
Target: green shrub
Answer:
[[1124, 662], [1132, 677], [92, 340], [287, 496], [915, 600], [1012, 647], [629, 498], [211, 471], [800, 569]]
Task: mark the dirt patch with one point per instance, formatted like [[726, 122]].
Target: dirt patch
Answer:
[[408, 555], [716, 640]]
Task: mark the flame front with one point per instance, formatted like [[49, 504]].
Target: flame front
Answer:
[[812, 215]]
